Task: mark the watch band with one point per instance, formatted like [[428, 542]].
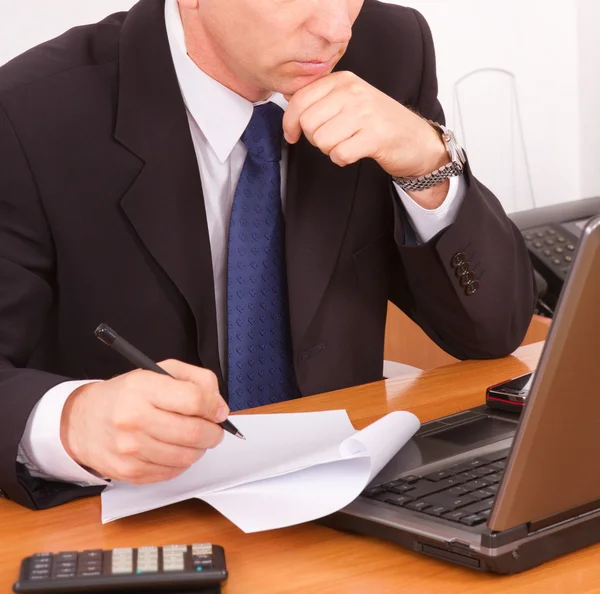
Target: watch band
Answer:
[[454, 168]]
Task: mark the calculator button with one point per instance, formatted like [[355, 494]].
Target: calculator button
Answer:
[[148, 567], [122, 561], [89, 566], [202, 549], [179, 548], [64, 566], [173, 561], [39, 574]]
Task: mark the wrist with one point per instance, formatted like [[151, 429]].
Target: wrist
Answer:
[[434, 151], [68, 423]]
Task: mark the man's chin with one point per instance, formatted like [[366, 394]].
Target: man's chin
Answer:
[[294, 85]]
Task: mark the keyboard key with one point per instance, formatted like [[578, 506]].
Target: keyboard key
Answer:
[[402, 488], [483, 471], [455, 516], [417, 505], [480, 506], [411, 478], [423, 488], [475, 485], [477, 462], [500, 465], [473, 520], [482, 494], [399, 500], [466, 476], [450, 503], [458, 468], [493, 489], [438, 475], [459, 490], [373, 491], [437, 511]]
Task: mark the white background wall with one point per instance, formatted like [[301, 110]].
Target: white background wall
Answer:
[[549, 46]]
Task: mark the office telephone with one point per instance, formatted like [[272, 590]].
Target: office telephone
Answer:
[[552, 234]]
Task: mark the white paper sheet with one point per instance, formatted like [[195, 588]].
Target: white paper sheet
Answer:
[[292, 468]]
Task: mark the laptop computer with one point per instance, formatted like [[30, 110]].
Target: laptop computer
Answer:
[[493, 491]]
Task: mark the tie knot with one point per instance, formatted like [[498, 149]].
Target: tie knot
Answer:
[[264, 134]]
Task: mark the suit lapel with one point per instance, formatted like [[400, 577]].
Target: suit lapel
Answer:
[[165, 203], [319, 200]]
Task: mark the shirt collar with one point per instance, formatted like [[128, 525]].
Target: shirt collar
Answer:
[[220, 113]]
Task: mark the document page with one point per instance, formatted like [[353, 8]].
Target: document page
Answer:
[[291, 468]]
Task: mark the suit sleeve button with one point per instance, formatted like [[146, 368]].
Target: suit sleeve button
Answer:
[[467, 278], [472, 288], [458, 259], [462, 269]]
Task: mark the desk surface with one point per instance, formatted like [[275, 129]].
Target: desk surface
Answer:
[[310, 558]]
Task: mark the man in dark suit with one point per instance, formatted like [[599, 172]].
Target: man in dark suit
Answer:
[[125, 146]]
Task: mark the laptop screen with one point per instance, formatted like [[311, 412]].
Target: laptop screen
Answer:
[[552, 467]]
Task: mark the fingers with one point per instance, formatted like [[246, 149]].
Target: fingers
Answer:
[[147, 449], [301, 101], [185, 431], [349, 151], [321, 113], [334, 132], [128, 469], [194, 392]]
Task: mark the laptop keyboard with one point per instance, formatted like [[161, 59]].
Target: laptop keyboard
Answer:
[[461, 493]]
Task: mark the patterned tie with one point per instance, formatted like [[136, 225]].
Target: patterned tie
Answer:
[[260, 360]]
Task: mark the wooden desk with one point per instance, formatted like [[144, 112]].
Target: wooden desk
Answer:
[[310, 558]]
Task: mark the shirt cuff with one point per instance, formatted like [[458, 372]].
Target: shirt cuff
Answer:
[[41, 449], [428, 223]]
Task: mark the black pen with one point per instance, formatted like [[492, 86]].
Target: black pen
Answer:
[[109, 337]]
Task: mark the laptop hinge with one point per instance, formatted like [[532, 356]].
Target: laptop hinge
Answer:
[[564, 517]]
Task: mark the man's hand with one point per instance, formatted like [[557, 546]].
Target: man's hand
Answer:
[[348, 119], [144, 427]]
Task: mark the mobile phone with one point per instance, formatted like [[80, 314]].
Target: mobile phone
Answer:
[[510, 395]]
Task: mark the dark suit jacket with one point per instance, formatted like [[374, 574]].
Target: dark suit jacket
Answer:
[[102, 220]]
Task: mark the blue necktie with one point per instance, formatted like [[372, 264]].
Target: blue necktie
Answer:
[[260, 364]]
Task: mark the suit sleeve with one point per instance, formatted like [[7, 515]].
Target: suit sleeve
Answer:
[[26, 296], [488, 317]]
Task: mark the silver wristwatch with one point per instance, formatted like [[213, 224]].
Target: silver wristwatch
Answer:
[[457, 154]]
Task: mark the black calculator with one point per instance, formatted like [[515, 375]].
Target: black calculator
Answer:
[[171, 568]]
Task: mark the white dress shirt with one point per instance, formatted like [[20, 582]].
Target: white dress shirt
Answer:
[[217, 118]]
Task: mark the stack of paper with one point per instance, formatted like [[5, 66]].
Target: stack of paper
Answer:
[[292, 468]]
